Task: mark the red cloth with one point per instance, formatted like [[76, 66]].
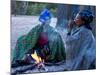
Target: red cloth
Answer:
[[43, 39]]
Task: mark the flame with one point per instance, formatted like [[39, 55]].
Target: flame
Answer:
[[36, 57]]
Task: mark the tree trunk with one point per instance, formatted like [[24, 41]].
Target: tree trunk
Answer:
[[23, 8], [19, 7], [13, 7], [64, 13]]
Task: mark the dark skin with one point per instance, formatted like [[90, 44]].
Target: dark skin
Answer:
[[77, 21]]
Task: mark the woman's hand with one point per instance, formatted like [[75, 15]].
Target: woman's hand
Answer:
[[71, 24]]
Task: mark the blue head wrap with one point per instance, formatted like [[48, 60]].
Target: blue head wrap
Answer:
[[45, 15], [87, 16]]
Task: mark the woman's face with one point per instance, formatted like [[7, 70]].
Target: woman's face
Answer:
[[78, 20], [47, 22]]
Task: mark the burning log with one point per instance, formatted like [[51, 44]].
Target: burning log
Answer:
[[39, 66], [23, 69], [39, 61]]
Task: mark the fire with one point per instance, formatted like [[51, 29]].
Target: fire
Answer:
[[36, 57], [39, 61]]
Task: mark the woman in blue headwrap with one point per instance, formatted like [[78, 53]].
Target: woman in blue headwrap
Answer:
[[43, 39], [80, 42]]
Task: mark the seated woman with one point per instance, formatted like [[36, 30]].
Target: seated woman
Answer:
[[80, 42], [43, 39]]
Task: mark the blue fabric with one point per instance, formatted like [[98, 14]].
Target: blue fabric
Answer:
[[87, 16], [81, 48], [86, 13], [45, 15]]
